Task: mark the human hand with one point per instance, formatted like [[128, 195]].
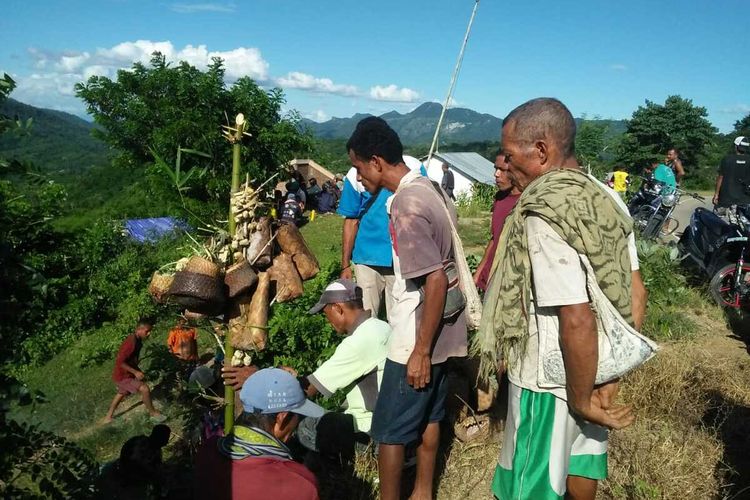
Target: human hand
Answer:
[[614, 417], [347, 273], [715, 199], [418, 369], [235, 376], [606, 393], [290, 370], [139, 375]]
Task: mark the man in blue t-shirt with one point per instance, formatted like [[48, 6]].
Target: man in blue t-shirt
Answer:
[[366, 241]]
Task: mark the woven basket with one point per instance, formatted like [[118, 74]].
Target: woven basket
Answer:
[[240, 278], [199, 265], [197, 292], [159, 286]]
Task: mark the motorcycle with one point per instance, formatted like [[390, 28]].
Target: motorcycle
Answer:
[[652, 206], [718, 247]]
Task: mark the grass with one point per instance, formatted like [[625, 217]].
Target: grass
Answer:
[[77, 398], [692, 401]]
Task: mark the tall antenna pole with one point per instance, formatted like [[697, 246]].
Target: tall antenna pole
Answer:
[[452, 85]]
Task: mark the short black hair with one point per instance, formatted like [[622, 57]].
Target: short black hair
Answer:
[[354, 304], [676, 151], [264, 421], [374, 137], [544, 118], [145, 321]]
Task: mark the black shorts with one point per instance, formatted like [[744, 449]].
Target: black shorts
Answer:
[[402, 412]]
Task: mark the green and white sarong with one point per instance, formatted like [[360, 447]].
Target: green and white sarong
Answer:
[[544, 444]]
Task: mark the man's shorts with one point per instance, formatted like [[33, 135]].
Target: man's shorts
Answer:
[[402, 412], [128, 386], [543, 445]]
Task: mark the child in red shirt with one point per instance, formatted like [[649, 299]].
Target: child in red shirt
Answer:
[[128, 377]]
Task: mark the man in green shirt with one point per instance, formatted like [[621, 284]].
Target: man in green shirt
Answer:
[[356, 365]]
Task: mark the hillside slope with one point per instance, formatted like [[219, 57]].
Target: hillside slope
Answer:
[[57, 142]]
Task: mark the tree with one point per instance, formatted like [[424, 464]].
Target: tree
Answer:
[[590, 141], [153, 110], [655, 128], [742, 127]]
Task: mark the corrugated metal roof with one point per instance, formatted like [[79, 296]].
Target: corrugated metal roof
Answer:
[[471, 165]]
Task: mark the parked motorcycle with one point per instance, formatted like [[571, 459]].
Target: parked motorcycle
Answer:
[[719, 246], [652, 206]]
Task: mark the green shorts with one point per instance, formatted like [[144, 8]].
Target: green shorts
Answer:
[[543, 445]]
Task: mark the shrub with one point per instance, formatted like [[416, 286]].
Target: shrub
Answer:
[[669, 293], [481, 199]]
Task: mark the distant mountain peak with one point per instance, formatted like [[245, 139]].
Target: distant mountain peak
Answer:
[[461, 125]]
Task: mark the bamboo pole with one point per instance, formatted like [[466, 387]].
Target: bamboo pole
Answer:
[[228, 349], [452, 86]]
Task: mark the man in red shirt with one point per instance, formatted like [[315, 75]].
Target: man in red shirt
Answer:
[[253, 462], [505, 199], [128, 377]]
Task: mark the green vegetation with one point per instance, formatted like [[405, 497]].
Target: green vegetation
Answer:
[[74, 286]]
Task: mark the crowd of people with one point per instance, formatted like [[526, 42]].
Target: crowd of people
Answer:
[[302, 195], [556, 235]]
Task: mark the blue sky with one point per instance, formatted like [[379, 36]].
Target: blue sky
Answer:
[[337, 58]]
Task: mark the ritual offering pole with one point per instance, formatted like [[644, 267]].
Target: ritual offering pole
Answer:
[[234, 136]]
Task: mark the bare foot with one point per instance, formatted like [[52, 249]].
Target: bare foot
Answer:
[[106, 420], [157, 417]]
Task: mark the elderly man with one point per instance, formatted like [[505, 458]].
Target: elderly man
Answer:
[[425, 335], [565, 225]]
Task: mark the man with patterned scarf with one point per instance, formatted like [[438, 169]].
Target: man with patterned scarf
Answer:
[[566, 227], [253, 461]]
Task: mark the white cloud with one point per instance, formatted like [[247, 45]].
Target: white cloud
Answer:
[[618, 67], [318, 116], [737, 109], [393, 93], [191, 8], [303, 81], [58, 72]]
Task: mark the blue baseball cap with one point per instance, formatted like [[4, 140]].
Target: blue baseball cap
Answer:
[[273, 390]]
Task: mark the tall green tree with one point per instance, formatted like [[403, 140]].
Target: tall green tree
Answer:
[[152, 110], [655, 128], [590, 141], [742, 127]]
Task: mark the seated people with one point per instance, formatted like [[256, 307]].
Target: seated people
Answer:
[[326, 199], [357, 363], [292, 212], [253, 461], [313, 191]]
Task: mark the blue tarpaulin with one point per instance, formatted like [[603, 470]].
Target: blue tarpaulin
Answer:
[[151, 230]]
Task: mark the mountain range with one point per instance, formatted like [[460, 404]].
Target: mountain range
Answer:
[[55, 141], [460, 125]]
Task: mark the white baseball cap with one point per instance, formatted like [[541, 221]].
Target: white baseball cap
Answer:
[[742, 141]]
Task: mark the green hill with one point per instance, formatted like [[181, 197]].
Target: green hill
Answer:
[[57, 142], [460, 126]]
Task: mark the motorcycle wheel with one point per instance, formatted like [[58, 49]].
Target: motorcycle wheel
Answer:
[[641, 217], [653, 227], [722, 286], [670, 226]]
